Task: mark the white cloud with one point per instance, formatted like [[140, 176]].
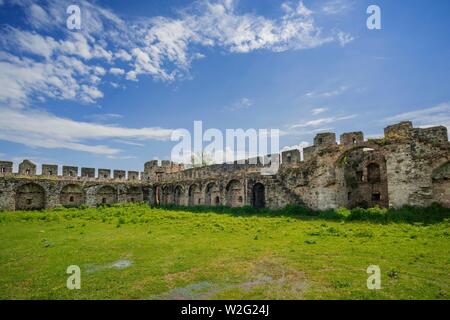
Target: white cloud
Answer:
[[332, 7], [427, 117], [130, 143], [58, 74], [327, 94], [317, 111], [104, 117], [116, 71], [161, 47], [123, 55], [91, 93], [321, 121], [40, 129], [50, 62], [37, 16], [21, 78], [208, 23], [242, 104], [344, 38], [30, 42], [121, 157], [299, 147], [131, 75], [99, 70]]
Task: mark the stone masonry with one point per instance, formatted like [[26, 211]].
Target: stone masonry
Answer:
[[408, 166]]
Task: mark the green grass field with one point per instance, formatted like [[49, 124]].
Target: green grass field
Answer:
[[135, 252]]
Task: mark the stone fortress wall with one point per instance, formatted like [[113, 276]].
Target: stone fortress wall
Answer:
[[408, 166]]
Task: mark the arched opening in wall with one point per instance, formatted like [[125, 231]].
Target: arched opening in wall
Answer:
[[194, 195], [362, 176], [30, 196], [211, 192], [441, 184], [106, 195], [373, 173], [258, 196], [178, 194], [167, 195], [217, 201], [135, 194], [234, 194], [72, 195]]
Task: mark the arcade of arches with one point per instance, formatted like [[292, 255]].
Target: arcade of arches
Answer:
[[30, 196]]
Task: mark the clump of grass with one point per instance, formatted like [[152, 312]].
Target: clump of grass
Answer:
[[393, 274], [46, 244], [138, 214], [340, 284], [290, 247], [407, 214], [363, 234]]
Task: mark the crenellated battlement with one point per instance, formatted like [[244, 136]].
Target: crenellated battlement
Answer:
[[407, 166], [50, 171]]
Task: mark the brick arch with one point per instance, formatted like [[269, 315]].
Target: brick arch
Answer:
[[106, 195], [212, 194], [72, 195], [134, 194], [167, 195], [362, 177], [194, 195], [30, 196], [235, 193], [178, 195], [354, 147]]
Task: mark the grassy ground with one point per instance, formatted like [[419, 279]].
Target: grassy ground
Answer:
[[134, 252]]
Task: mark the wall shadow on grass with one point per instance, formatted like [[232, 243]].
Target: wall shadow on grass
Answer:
[[407, 214]]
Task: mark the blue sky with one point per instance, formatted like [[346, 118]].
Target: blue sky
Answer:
[[110, 94]]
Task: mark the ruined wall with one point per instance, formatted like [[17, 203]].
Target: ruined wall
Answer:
[[364, 178], [49, 170], [6, 167], [408, 166], [72, 195], [441, 184], [27, 168], [26, 191], [411, 158]]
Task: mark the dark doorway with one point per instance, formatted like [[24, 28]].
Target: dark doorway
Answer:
[[259, 200]]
